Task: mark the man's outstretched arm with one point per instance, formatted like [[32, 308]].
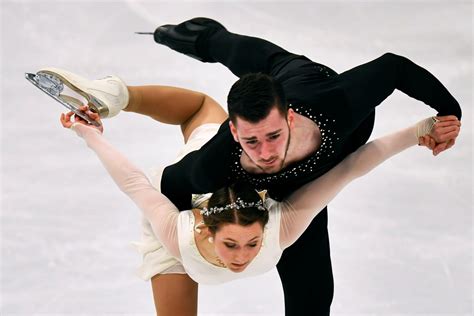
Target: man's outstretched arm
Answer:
[[367, 85]]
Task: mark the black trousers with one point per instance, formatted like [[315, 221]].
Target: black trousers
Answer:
[[305, 267]]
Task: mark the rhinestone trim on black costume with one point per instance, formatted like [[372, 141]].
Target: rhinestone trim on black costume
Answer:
[[325, 151]]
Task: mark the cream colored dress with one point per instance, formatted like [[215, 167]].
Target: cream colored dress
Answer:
[[288, 219]]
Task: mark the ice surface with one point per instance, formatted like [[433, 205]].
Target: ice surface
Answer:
[[401, 237]]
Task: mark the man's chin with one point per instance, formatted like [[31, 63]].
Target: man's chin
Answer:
[[270, 169]]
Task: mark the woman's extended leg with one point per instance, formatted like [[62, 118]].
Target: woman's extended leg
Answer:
[[172, 105]]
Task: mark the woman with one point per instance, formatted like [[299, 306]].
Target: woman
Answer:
[[234, 237]]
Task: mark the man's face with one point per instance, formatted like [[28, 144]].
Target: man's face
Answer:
[[266, 142]]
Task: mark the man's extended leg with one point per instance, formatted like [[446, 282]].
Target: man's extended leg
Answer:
[[306, 273], [209, 41]]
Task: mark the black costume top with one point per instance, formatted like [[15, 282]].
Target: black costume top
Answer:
[[342, 105]]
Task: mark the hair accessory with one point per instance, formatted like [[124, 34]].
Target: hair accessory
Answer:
[[238, 204], [199, 200]]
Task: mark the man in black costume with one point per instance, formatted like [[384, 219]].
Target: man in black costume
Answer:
[[339, 110]]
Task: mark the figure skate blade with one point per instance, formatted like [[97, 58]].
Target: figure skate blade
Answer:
[[53, 87]]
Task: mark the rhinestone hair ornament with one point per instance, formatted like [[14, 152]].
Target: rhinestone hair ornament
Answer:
[[238, 204]]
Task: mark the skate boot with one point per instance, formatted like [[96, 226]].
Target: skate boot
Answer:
[[105, 96], [53, 87], [184, 37]]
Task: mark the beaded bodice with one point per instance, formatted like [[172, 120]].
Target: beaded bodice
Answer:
[[328, 149]]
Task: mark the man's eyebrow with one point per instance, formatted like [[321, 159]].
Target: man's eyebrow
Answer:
[[274, 132], [268, 134]]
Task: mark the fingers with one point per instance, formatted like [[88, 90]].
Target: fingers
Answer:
[[66, 119], [427, 141], [447, 118], [449, 136], [93, 115], [63, 121], [444, 134], [432, 143], [448, 123], [439, 148], [421, 141], [443, 131], [69, 115], [451, 143]]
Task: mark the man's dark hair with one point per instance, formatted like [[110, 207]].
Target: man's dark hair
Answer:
[[253, 96]]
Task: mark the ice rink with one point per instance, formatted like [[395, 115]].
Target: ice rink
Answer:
[[401, 237]]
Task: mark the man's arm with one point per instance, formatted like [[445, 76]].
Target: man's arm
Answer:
[[305, 203], [201, 171], [369, 84]]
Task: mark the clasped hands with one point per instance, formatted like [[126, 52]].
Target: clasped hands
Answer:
[[443, 134]]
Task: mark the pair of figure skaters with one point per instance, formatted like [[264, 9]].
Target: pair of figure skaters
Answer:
[[296, 129]]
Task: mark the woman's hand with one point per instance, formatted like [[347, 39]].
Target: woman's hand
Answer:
[[443, 134], [67, 123]]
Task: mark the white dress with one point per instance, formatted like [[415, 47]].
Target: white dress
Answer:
[[288, 220], [155, 258]]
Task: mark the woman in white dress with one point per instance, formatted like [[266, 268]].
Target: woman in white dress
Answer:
[[239, 233]]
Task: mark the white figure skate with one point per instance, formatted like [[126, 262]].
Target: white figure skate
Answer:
[[105, 96]]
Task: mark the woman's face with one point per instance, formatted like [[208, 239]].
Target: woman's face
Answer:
[[237, 245]]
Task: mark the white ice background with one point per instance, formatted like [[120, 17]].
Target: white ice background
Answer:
[[401, 237]]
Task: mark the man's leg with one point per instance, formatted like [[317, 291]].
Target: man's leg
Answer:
[[174, 294], [208, 41], [306, 272]]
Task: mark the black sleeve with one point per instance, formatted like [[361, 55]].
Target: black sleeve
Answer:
[[367, 85], [201, 171]]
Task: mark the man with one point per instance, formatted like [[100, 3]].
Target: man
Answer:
[[291, 120], [279, 149]]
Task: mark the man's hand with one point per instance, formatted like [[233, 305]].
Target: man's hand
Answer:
[[443, 134]]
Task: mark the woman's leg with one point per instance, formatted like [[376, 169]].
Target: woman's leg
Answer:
[[174, 294], [178, 106]]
